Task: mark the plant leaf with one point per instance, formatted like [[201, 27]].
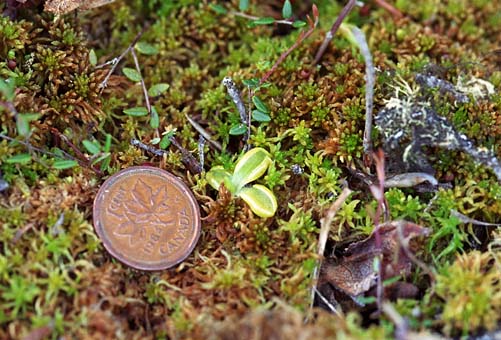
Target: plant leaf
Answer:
[[21, 158], [243, 5], [107, 143], [92, 57], [250, 167], [154, 120], [62, 164], [158, 89], [100, 158], [132, 74], [216, 176], [146, 48], [23, 123], [263, 21], [260, 105], [136, 111], [298, 24], [93, 148], [287, 9], [260, 116], [260, 199], [238, 129], [218, 9]]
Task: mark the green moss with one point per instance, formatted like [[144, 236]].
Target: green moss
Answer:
[[470, 288]]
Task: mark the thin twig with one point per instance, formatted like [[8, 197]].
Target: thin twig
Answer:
[[201, 144], [117, 60], [204, 133], [235, 95], [81, 158], [147, 148], [328, 37], [394, 12], [302, 36], [327, 302], [325, 224], [404, 243], [188, 158], [401, 325], [143, 86], [370, 80], [31, 147]]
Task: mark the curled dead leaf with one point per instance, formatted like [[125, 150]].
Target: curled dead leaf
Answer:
[[354, 273]]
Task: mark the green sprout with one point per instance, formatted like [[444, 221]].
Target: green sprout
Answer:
[[252, 165]]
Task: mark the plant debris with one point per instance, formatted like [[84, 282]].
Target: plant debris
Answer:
[[354, 273]]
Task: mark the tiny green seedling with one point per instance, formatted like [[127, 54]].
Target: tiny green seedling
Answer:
[[252, 165]]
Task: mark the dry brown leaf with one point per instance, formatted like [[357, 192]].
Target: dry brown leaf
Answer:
[[354, 274], [59, 7]]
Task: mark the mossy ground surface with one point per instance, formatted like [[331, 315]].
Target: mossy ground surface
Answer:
[[248, 276]]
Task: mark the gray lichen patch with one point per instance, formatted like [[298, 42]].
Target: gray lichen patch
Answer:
[[408, 123]]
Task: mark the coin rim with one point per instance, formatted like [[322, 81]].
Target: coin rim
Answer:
[[116, 253]]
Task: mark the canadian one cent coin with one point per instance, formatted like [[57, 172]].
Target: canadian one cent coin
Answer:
[[147, 218]]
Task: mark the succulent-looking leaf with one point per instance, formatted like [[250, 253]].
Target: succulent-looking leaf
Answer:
[[260, 199], [132, 74], [216, 176], [250, 167]]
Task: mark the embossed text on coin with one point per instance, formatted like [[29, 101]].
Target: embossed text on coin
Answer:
[[147, 218]]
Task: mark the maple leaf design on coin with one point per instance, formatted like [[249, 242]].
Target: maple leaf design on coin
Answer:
[[144, 208]]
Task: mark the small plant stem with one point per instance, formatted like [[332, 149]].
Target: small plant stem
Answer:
[[81, 158], [370, 80], [401, 326], [203, 133], [404, 243], [31, 147], [326, 223], [143, 86], [9, 106], [393, 11], [302, 36], [251, 17], [328, 37], [188, 159], [117, 60], [378, 192]]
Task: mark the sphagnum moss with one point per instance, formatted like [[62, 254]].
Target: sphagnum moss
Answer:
[[55, 274]]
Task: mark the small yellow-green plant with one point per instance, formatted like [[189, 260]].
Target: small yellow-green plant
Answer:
[[252, 165]]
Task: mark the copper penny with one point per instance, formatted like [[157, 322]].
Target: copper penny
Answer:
[[147, 218]]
